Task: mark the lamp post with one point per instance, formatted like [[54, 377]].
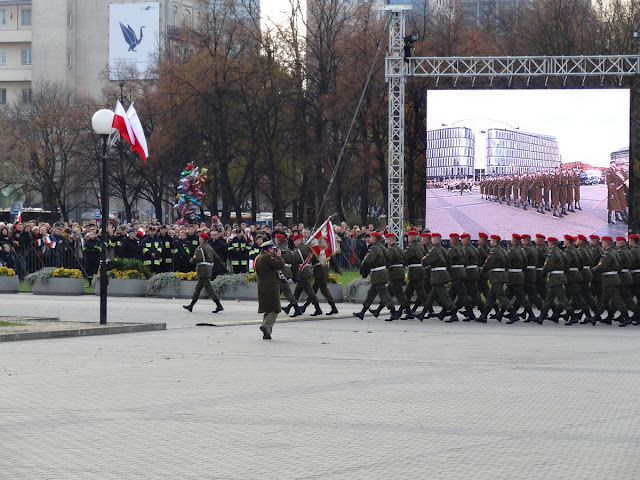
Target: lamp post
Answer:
[[102, 124]]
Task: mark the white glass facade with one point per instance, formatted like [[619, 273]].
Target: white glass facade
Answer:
[[620, 158], [510, 152], [450, 153]]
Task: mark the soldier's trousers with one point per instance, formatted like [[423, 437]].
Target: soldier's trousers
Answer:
[[396, 289], [474, 294], [585, 289], [458, 294], [555, 293], [517, 291], [611, 295], [440, 294], [416, 286], [206, 284], [321, 284], [627, 297], [285, 289], [531, 291], [304, 285], [596, 290], [379, 289], [497, 296], [268, 320], [483, 288], [574, 294]]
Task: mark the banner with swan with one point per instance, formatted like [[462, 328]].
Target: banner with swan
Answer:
[[134, 30]]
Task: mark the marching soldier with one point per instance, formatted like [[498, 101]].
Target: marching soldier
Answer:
[[596, 255], [458, 273], [471, 261], [285, 289], [437, 260], [516, 263], [543, 253], [585, 287], [483, 253], [634, 247], [302, 258], [609, 266], [625, 257], [413, 256], [375, 262], [573, 270], [530, 275], [321, 278], [204, 257], [496, 268], [553, 271], [395, 266]]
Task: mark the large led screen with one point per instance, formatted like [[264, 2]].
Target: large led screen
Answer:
[[528, 161]]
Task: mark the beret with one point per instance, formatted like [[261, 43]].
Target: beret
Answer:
[[552, 239], [465, 235], [279, 235], [454, 235], [516, 236], [569, 237], [525, 236], [297, 236], [594, 237], [621, 239], [203, 235], [496, 237], [436, 235], [634, 236], [539, 235], [483, 235], [389, 235], [426, 234], [606, 238], [582, 237], [375, 234], [412, 232]]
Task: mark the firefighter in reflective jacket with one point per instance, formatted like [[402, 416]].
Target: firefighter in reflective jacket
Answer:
[[152, 251], [167, 249], [254, 251], [239, 252], [182, 253]]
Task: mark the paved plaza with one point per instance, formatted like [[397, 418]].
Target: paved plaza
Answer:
[[325, 399], [451, 212]]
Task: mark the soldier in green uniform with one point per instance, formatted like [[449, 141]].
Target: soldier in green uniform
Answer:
[[285, 289], [413, 257], [596, 255], [204, 257], [516, 264], [496, 268], [437, 260], [427, 246], [321, 279], [584, 250], [484, 249], [543, 253], [471, 260], [625, 257], [553, 271], [458, 272], [395, 267], [530, 277], [609, 266], [634, 247], [375, 261], [302, 258], [573, 271], [268, 264]]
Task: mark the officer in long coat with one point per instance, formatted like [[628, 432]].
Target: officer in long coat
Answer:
[[375, 261], [268, 263], [204, 257]]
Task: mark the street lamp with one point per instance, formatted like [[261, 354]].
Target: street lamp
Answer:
[[102, 122]]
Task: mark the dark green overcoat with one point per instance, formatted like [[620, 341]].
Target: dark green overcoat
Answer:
[[267, 267]]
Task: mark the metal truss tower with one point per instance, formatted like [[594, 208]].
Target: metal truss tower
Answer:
[[397, 69]]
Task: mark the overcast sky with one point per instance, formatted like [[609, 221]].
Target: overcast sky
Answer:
[[589, 124]]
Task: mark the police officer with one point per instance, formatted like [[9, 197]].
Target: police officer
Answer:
[[375, 261], [204, 257]]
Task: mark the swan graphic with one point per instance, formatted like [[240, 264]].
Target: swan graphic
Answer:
[[130, 36]]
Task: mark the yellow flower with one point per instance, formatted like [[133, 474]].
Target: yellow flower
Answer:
[[7, 272], [66, 273], [252, 277], [333, 278]]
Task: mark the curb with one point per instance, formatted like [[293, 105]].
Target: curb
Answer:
[[112, 329]]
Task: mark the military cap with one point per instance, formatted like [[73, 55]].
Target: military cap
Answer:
[[582, 237], [389, 235], [436, 235], [496, 237], [279, 235], [454, 235], [465, 235], [426, 234], [267, 245], [594, 237], [607, 238], [483, 235], [634, 236], [204, 235], [297, 236], [375, 234], [525, 236], [570, 238], [516, 236], [621, 239], [552, 239], [412, 232], [539, 235]]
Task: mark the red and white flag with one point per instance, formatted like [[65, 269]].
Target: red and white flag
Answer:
[[121, 122], [140, 144], [323, 242], [19, 216]]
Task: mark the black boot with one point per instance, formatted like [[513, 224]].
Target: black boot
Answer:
[[218, 307], [190, 306], [318, 311], [376, 311], [395, 315], [452, 318], [303, 308], [625, 320], [360, 314], [287, 308], [469, 316], [498, 315], [513, 317], [425, 311], [334, 310], [575, 318], [296, 311], [409, 314], [635, 318]]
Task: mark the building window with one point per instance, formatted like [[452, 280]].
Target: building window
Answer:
[[26, 56], [3, 96], [26, 95], [3, 17], [70, 20], [26, 17], [69, 60], [3, 57]]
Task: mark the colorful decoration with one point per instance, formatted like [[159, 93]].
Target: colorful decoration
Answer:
[[191, 191]]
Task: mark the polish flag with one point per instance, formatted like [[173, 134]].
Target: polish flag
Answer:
[[19, 217], [140, 144], [141, 232], [121, 122]]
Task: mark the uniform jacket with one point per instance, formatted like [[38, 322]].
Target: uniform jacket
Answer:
[[204, 258], [395, 257], [585, 260], [436, 259], [531, 262], [287, 256], [608, 268], [554, 263], [496, 265], [471, 259], [457, 262], [376, 258], [625, 259], [300, 255], [413, 256], [573, 265], [267, 267], [516, 260], [130, 248]]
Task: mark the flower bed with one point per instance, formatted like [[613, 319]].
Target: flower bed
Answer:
[[9, 282]]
